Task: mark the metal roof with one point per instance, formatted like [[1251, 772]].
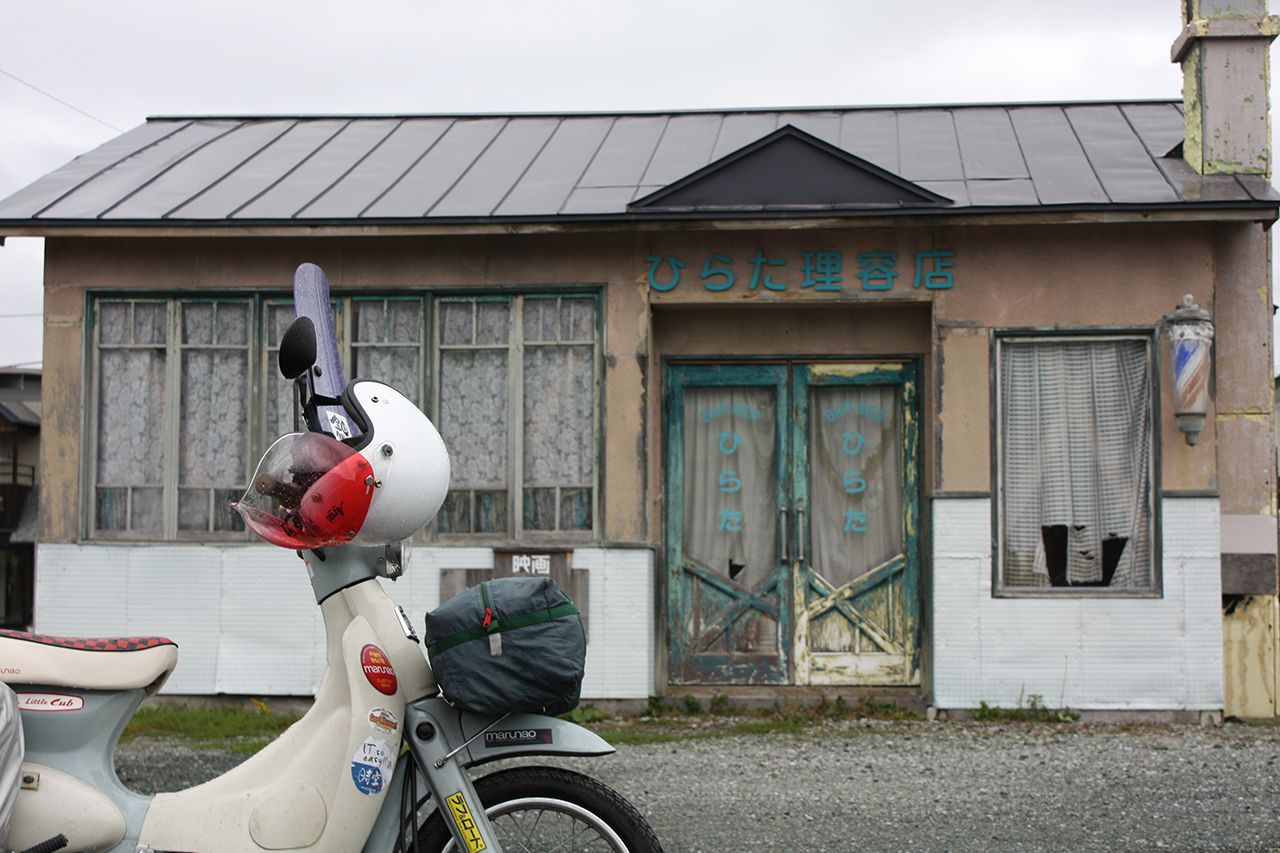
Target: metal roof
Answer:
[[313, 170]]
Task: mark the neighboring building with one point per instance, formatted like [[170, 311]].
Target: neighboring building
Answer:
[[19, 493], [841, 398]]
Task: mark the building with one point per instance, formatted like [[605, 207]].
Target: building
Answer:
[[851, 399], [19, 493]]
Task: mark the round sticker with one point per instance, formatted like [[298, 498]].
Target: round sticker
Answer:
[[371, 766], [383, 721], [378, 670]]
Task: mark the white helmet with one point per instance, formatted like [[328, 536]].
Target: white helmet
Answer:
[[313, 491]]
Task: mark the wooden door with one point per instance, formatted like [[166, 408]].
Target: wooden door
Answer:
[[792, 524], [856, 568], [729, 606]]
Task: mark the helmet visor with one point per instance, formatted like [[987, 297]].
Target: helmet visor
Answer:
[[310, 491]]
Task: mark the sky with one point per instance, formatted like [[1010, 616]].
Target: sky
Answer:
[[75, 73]]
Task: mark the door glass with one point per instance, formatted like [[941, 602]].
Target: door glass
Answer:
[[855, 479], [731, 510]]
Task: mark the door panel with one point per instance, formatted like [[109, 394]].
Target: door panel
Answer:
[[856, 576], [791, 524], [730, 605]]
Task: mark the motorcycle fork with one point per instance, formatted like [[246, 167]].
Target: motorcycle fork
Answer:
[[442, 763]]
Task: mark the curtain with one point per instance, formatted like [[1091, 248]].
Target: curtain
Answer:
[[1076, 463], [730, 496], [855, 480]]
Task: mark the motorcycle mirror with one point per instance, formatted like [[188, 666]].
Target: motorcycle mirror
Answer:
[[298, 348]]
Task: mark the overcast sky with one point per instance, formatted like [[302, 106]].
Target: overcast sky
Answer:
[[125, 60]]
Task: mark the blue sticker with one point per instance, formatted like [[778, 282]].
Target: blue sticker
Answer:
[[368, 778], [371, 765]]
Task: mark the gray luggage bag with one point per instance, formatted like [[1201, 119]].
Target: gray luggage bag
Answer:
[[511, 645]]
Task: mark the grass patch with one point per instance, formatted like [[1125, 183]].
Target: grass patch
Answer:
[[243, 730], [685, 719], [1034, 711]]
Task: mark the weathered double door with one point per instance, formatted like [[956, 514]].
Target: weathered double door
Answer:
[[792, 523]]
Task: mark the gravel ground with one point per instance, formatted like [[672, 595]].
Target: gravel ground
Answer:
[[866, 785]]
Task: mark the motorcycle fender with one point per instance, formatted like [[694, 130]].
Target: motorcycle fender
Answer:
[[527, 734], [56, 802]]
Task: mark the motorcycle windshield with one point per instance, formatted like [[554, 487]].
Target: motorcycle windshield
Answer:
[[310, 491]]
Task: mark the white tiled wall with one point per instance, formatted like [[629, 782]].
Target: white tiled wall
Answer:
[[1080, 652], [246, 622]]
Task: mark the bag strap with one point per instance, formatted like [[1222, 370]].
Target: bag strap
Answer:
[[537, 617]]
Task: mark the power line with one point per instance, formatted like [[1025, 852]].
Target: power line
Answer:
[[11, 316], [21, 364], [36, 88]]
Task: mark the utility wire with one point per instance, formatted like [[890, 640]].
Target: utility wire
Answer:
[[21, 364], [35, 88], [12, 316]]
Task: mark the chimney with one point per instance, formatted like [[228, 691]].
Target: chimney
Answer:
[[1224, 51]]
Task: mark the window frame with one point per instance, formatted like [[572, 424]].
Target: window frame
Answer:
[[263, 375], [171, 401], [1149, 336], [517, 534]]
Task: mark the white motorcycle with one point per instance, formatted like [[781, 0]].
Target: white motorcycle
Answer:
[[348, 775]]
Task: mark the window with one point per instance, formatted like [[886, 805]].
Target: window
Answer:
[[1075, 457], [516, 404], [172, 416], [186, 397]]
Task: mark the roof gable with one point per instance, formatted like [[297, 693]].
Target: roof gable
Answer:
[[789, 170]]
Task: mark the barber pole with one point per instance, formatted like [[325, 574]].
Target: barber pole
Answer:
[[1190, 331]]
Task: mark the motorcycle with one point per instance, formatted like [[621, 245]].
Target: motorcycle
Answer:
[[346, 495]]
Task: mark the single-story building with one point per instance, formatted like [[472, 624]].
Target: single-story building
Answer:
[[843, 398]]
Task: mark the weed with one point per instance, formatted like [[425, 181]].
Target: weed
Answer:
[[692, 706], [1034, 711], [721, 706], [213, 727], [584, 714]]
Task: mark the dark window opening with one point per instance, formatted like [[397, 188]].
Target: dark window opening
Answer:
[[1055, 554]]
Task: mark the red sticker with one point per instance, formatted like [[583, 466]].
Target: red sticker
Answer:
[[378, 670]]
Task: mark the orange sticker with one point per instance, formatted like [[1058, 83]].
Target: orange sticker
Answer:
[[378, 669]]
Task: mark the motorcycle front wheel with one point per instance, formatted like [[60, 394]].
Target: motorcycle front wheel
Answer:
[[536, 809]]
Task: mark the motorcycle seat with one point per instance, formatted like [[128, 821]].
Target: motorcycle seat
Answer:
[[87, 663]]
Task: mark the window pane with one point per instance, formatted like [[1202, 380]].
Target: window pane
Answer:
[[224, 517], [193, 509], [112, 509], [148, 510], [279, 316], [577, 319], [404, 320], [540, 509], [455, 514], [493, 323], [113, 322], [371, 320], [279, 393], [540, 320], [559, 416], [131, 417], [197, 323], [473, 415], [214, 425], [455, 323], [396, 366], [149, 322], [575, 509], [491, 512], [1076, 430], [233, 324]]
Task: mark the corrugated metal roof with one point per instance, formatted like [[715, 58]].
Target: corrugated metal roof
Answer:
[[412, 169]]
